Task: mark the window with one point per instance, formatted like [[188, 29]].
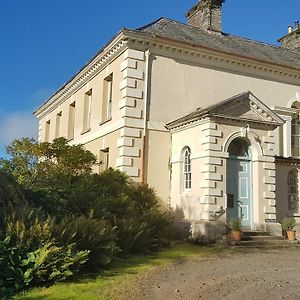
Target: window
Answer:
[[47, 131], [71, 125], [239, 147], [293, 200], [107, 98], [187, 174], [103, 159], [295, 135], [87, 111], [57, 124]]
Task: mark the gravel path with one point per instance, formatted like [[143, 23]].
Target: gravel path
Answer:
[[246, 274]]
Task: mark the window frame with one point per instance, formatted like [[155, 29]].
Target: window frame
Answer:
[[293, 193], [187, 169]]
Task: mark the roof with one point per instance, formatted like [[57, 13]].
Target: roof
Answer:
[[224, 42], [242, 107]]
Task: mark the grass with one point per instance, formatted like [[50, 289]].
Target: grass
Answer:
[[113, 283]]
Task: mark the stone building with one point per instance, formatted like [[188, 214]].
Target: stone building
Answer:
[[209, 119]]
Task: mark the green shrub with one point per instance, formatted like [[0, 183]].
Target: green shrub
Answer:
[[89, 233], [45, 265], [28, 228], [11, 194], [143, 233], [288, 223], [235, 224]]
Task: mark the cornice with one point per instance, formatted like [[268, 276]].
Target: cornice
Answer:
[[211, 57], [141, 40], [100, 61]]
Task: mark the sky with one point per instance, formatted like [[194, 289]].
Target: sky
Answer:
[[43, 43]]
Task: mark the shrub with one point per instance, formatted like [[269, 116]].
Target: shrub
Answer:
[[10, 192], [288, 223], [235, 224], [89, 233], [45, 265]]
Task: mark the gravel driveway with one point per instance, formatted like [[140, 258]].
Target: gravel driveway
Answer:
[[246, 274]]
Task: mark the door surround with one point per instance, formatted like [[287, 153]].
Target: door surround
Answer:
[[239, 181]]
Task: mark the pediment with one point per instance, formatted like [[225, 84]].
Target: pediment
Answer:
[[244, 107]]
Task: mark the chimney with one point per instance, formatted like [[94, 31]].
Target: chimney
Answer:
[[206, 14], [292, 39]]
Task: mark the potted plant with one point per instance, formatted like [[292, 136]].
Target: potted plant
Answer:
[[288, 225], [235, 226]]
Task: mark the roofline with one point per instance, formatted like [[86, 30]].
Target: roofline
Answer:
[[160, 38], [126, 33], [109, 44]]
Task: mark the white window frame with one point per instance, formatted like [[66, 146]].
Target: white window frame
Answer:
[[187, 169], [295, 136]]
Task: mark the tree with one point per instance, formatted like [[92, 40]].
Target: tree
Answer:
[[46, 165]]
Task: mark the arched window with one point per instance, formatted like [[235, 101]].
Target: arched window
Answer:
[[187, 174], [295, 134], [293, 199]]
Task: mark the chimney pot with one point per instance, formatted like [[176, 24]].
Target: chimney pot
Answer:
[[290, 29], [297, 25]]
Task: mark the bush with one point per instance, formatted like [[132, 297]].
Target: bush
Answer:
[[89, 233], [235, 224], [45, 265], [288, 223], [30, 254], [10, 192]]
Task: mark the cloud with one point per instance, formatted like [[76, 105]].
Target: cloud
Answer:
[[17, 125]]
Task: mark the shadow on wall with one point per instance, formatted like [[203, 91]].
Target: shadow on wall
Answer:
[[182, 227]]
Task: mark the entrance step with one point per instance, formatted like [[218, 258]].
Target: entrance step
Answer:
[[259, 239]]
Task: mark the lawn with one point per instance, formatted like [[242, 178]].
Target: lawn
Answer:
[[113, 283]]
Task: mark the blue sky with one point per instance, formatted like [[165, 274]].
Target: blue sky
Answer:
[[44, 42]]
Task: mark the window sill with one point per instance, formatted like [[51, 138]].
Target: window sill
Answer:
[[104, 121], [187, 191], [85, 131]]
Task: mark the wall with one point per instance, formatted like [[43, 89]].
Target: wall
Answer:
[[157, 168], [180, 86], [208, 142], [282, 170]]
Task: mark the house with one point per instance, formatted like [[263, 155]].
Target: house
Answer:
[[209, 119]]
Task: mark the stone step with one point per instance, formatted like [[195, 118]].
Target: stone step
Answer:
[[262, 237], [266, 243], [255, 233]]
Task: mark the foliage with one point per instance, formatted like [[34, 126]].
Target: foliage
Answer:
[[10, 192], [46, 264], [235, 224], [288, 223], [46, 164], [121, 277], [71, 219], [89, 233], [210, 4], [11, 273], [31, 254]]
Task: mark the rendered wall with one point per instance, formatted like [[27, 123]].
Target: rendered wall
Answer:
[[208, 142], [282, 170], [180, 86]]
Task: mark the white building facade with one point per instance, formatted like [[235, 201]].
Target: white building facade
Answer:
[[209, 119]]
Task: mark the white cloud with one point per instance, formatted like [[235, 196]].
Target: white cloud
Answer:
[[17, 125]]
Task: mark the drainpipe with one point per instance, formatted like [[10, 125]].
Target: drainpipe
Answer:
[[144, 138]]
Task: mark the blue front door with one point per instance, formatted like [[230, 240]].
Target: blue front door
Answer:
[[239, 190]]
